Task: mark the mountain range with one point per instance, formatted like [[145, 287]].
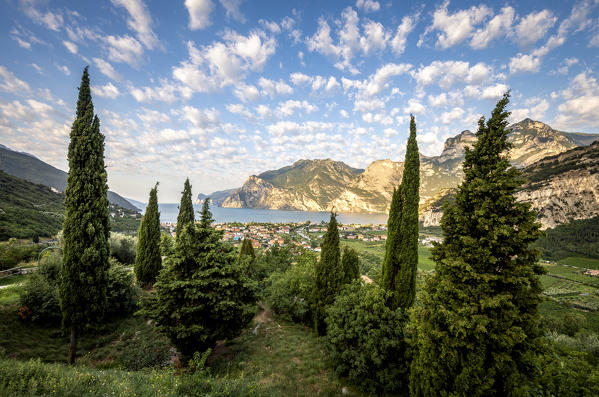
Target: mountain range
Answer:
[[28, 167], [323, 185]]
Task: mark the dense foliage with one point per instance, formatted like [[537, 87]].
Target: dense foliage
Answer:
[[577, 238], [328, 275], [148, 260], [477, 330], [122, 248], [12, 253], [366, 339], [290, 292], [86, 225], [186, 212], [201, 294]]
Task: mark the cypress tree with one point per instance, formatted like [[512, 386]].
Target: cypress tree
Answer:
[[350, 263], [328, 275], [390, 264], [477, 330], [205, 215], [408, 230], [86, 226], [246, 250], [401, 249], [201, 295], [186, 215], [148, 259]]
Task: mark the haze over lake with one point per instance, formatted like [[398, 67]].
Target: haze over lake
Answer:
[[169, 212]]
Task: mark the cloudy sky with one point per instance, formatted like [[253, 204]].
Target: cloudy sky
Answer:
[[217, 90]]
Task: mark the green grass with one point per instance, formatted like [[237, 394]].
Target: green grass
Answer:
[[587, 263], [9, 296], [17, 278]]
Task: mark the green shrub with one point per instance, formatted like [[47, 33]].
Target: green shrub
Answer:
[[275, 259], [144, 353], [567, 373], [367, 339], [40, 296], [290, 292], [573, 322], [122, 248], [11, 253], [49, 267], [121, 294]]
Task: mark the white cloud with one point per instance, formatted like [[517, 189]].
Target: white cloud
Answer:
[[291, 106], [233, 11], [478, 73], [37, 68], [51, 20], [106, 69], [201, 118], [108, 91], [151, 118], [375, 38], [439, 100], [270, 26], [199, 13], [273, 88], [165, 92], [448, 73], [454, 114], [11, 83], [494, 92], [220, 64], [368, 5], [139, 21], [457, 27], [398, 43], [344, 113], [524, 63], [300, 78], [368, 105], [414, 107], [64, 69], [246, 92], [534, 27], [124, 49], [72, 47], [498, 26]]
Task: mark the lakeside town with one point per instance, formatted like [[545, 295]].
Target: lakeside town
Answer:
[[304, 234]]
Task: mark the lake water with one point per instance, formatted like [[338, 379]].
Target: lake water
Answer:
[[169, 212]]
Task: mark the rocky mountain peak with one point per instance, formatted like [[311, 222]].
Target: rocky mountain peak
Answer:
[[456, 147]]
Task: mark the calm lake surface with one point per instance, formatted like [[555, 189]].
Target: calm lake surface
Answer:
[[169, 212]]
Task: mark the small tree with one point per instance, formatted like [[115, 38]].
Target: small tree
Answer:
[[328, 275], [201, 294], [86, 226], [246, 250], [148, 260], [350, 263], [477, 330], [186, 214]]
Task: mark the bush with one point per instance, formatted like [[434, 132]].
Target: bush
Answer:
[[121, 295], [50, 265], [122, 248], [290, 292], [367, 339], [40, 296], [11, 253], [567, 373], [276, 259], [573, 322]]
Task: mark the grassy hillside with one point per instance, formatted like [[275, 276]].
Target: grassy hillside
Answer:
[[28, 209], [575, 239], [32, 169]]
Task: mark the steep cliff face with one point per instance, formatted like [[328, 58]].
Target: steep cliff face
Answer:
[[323, 185], [564, 187]]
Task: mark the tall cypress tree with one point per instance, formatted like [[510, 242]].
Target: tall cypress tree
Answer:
[[477, 330], [205, 215], [148, 259], [202, 295], [390, 264], [401, 250], [408, 230], [328, 275], [350, 264], [86, 226], [186, 215]]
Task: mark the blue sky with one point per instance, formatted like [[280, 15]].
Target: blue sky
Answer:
[[217, 90]]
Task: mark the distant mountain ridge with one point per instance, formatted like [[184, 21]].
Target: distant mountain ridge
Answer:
[[30, 168], [323, 185]]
